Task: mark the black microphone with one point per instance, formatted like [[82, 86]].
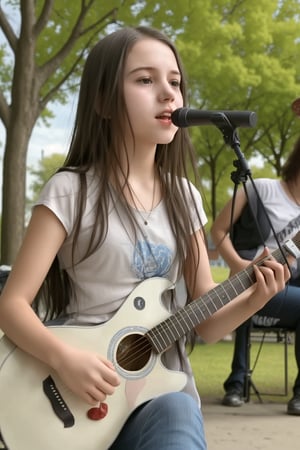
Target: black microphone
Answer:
[[186, 117]]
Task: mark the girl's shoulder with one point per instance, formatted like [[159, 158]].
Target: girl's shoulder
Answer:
[[186, 185], [60, 194], [62, 183]]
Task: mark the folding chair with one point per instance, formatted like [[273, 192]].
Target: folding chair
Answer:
[[260, 333]]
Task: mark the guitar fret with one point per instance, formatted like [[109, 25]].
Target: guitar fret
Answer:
[[171, 325], [176, 326], [193, 306], [243, 281], [250, 277], [223, 296], [233, 289], [159, 334], [162, 344], [168, 331], [206, 304], [171, 329], [187, 320], [177, 320], [195, 309]]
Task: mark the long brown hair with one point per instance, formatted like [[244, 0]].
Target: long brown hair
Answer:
[[98, 136]]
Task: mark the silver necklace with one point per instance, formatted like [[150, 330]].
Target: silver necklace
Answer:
[[134, 196]]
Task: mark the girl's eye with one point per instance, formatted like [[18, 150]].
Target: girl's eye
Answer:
[[175, 83], [145, 80]]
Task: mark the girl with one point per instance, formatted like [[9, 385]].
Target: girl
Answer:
[[120, 211]]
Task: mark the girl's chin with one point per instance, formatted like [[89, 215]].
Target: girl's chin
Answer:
[[166, 140]]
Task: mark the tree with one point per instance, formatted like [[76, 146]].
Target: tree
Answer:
[[245, 55], [48, 40], [239, 54]]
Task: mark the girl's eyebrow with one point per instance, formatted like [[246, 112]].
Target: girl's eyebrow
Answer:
[[151, 68]]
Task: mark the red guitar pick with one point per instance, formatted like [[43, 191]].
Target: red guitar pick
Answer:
[[98, 412]]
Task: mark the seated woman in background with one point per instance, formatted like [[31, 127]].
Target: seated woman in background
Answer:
[[281, 199]]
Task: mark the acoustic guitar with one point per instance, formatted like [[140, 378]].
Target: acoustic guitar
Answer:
[[38, 412]]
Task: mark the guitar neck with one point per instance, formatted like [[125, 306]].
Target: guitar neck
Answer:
[[186, 319]]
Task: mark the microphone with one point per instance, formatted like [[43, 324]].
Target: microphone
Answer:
[[186, 117]]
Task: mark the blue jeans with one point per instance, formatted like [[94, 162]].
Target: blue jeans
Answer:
[[169, 422], [283, 310]]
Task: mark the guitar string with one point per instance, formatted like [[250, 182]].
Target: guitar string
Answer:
[[143, 344]]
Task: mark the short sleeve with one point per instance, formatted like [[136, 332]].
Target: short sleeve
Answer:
[[60, 195]]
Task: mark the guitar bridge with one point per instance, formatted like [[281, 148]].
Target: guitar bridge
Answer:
[[57, 402]]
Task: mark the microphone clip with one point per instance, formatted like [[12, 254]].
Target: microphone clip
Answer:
[[231, 138]]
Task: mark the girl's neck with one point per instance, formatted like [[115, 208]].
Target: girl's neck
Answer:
[[138, 158], [140, 167]]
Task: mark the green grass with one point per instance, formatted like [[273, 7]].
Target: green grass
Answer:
[[211, 365]]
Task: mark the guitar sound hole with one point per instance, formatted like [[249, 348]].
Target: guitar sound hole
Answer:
[[133, 352]]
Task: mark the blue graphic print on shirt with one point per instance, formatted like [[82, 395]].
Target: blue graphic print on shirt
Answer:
[[151, 260]]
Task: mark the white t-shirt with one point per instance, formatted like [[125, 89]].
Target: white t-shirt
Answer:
[[103, 281]]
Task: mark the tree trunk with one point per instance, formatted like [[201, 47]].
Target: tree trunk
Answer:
[[23, 113], [14, 188]]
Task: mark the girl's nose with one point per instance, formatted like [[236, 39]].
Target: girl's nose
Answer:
[[166, 93]]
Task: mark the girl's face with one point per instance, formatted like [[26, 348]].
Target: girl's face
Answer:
[[152, 92]]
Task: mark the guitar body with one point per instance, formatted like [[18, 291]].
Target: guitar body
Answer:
[[28, 420]]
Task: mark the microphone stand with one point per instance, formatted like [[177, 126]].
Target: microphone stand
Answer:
[[241, 175], [243, 172], [231, 138]]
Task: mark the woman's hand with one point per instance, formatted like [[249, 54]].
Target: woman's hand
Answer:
[[271, 277], [88, 375], [238, 266]]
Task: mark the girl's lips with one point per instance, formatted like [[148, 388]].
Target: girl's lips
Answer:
[[164, 119]]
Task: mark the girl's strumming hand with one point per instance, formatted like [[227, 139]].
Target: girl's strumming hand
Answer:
[[88, 375]]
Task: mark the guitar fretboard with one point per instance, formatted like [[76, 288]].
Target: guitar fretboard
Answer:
[[170, 330]]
